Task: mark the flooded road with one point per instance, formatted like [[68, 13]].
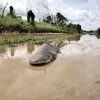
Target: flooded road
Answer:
[[74, 75]]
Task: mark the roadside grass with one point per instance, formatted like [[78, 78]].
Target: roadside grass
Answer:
[[35, 38], [15, 24], [45, 27], [18, 25], [11, 39]]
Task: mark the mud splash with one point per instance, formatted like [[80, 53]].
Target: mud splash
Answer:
[[74, 75]]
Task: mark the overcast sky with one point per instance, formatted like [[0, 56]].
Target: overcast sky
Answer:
[[84, 12]]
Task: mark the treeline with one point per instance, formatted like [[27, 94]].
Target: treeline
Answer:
[[98, 31], [56, 21], [61, 20]]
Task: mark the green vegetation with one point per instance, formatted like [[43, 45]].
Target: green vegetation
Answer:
[[57, 19], [15, 38], [63, 22], [46, 27], [2, 49], [15, 30], [52, 23], [98, 31], [16, 24], [11, 39], [9, 24]]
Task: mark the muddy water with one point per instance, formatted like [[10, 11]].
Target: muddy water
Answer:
[[74, 75]]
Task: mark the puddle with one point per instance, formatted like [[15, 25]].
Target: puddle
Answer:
[[74, 75]]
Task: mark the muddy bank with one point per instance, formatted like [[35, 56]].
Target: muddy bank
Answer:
[[74, 75]]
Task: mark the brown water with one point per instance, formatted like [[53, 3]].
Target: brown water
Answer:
[[74, 75]]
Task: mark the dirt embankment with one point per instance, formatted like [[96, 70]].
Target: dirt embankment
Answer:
[[12, 28]]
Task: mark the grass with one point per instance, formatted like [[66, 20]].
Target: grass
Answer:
[[15, 38], [2, 49], [45, 27], [15, 31], [11, 39], [18, 25], [10, 24]]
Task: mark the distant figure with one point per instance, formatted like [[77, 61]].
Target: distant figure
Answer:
[[30, 16], [11, 12], [11, 9]]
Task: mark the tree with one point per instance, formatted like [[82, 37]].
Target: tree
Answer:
[[79, 28], [71, 28], [61, 20], [57, 19], [48, 19], [4, 10], [98, 31]]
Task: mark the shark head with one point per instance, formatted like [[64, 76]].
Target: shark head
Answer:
[[53, 49]]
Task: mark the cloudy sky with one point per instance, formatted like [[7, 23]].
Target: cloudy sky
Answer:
[[84, 12]]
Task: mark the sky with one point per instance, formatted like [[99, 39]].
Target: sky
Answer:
[[84, 12]]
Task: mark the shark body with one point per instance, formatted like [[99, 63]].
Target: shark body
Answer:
[[45, 54]]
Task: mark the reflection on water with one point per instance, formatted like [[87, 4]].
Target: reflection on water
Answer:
[[76, 38], [30, 47], [12, 51], [74, 75]]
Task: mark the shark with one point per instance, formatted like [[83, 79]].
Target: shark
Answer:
[[45, 54]]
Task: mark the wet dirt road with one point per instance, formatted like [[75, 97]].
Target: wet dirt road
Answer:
[[74, 75]]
